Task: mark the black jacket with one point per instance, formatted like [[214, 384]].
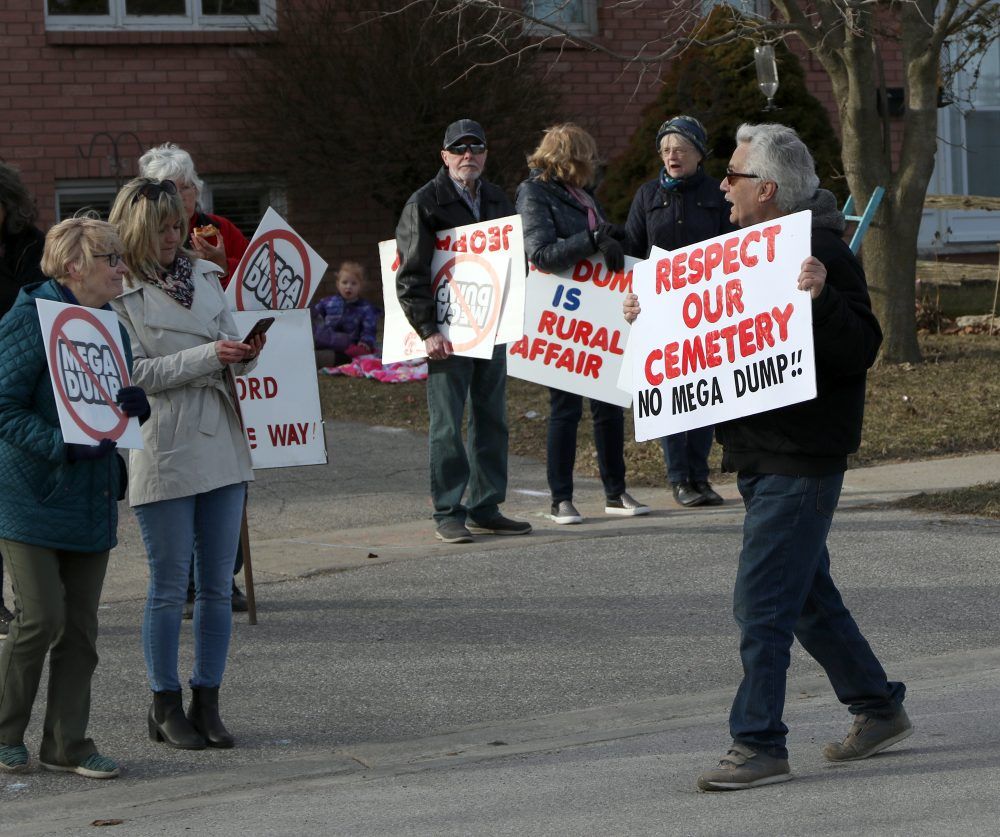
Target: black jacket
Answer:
[[813, 438], [670, 218], [19, 265], [433, 207], [556, 235]]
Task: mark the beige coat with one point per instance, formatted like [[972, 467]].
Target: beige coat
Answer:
[[193, 440]]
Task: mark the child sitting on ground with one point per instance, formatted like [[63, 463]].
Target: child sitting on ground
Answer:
[[344, 324]]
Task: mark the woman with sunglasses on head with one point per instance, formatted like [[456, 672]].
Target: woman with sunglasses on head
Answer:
[[58, 512], [188, 483], [564, 223], [682, 206]]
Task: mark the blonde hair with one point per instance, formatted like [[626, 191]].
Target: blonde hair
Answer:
[[354, 268], [139, 219], [567, 153], [78, 240]]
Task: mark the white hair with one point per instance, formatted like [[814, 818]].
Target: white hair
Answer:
[[170, 162], [775, 153]]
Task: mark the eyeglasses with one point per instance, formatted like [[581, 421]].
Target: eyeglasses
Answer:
[[475, 148], [151, 191], [113, 258], [680, 151], [735, 175]]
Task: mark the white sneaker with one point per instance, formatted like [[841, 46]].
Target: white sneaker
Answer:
[[565, 512], [625, 505]]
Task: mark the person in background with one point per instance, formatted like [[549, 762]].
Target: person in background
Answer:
[[564, 223], [58, 512], [344, 324], [21, 244], [189, 481], [457, 195], [680, 207], [169, 162]]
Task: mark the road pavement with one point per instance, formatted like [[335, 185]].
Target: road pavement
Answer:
[[574, 681]]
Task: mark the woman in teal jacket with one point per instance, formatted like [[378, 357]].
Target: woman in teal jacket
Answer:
[[58, 512]]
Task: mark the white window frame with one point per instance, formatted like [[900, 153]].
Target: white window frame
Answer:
[[588, 28], [192, 19]]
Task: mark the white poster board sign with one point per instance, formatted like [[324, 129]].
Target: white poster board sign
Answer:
[[87, 364], [478, 282], [724, 332], [278, 271], [279, 399], [574, 332]]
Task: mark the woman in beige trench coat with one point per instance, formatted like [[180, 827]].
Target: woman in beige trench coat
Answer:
[[188, 483]]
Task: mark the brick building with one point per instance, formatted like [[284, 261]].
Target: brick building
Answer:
[[87, 85]]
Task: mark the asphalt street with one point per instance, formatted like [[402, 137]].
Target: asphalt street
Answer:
[[574, 681]]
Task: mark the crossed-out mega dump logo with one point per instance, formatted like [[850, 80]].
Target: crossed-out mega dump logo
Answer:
[[469, 306], [89, 370], [274, 271]]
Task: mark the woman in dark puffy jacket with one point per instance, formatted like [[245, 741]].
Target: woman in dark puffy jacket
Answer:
[[564, 223], [680, 207], [58, 512]]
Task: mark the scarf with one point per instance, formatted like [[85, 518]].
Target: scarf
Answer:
[[175, 282]]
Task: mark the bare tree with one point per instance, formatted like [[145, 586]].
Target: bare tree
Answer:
[[936, 38]]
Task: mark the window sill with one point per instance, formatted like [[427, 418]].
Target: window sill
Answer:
[[119, 37]]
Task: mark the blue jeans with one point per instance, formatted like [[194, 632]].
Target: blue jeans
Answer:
[[483, 467], [207, 525], [565, 412], [783, 592], [685, 455]]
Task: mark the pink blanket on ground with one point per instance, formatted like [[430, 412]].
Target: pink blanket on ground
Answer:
[[370, 366]]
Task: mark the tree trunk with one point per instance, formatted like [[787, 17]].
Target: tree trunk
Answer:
[[890, 258]]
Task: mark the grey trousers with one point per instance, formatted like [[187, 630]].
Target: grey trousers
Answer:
[[56, 594]]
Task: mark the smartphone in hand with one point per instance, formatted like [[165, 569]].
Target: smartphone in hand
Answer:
[[259, 327]]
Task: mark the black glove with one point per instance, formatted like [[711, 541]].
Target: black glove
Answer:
[[81, 453], [133, 402], [611, 249]]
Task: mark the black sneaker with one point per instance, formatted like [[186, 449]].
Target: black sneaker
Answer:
[[499, 525], [687, 495], [6, 617], [704, 488], [452, 531], [625, 505]]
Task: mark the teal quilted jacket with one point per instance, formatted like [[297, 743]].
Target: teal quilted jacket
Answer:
[[45, 500]]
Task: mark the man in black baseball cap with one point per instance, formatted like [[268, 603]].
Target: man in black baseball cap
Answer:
[[456, 196]]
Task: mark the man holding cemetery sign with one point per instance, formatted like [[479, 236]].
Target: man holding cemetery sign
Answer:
[[790, 463], [456, 196]]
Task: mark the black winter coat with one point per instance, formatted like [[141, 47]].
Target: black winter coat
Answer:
[[813, 438], [670, 218], [556, 235], [19, 265], [435, 206]]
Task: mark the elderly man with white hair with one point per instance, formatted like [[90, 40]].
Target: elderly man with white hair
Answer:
[[790, 465]]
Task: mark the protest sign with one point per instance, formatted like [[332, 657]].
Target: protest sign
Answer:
[[477, 275], [87, 364], [574, 333], [279, 399], [724, 331], [278, 271]]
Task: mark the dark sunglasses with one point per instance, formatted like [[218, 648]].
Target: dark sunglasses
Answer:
[[113, 258], [151, 191], [735, 175], [475, 148]]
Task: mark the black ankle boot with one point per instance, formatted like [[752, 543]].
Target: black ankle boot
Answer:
[[203, 713], [168, 724]]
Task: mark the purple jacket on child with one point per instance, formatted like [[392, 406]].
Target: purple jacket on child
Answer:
[[338, 323]]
